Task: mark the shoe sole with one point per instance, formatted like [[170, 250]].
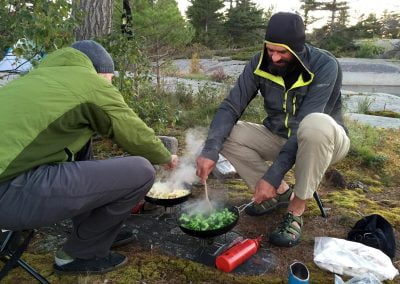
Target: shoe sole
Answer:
[[287, 245], [88, 272], [269, 210]]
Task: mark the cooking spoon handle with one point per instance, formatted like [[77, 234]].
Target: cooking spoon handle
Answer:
[[208, 200]]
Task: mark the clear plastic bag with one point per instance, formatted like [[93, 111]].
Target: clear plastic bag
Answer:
[[368, 278], [224, 168], [352, 258]]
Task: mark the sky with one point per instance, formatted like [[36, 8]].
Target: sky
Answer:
[[357, 7]]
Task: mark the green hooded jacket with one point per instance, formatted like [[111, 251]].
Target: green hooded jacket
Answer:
[[50, 114]]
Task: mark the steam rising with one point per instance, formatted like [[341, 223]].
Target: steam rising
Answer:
[[200, 206], [185, 173]]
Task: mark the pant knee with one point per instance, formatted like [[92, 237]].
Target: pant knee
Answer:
[[140, 167], [316, 128]]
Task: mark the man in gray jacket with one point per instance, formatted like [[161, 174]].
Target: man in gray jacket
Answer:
[[300, 85]]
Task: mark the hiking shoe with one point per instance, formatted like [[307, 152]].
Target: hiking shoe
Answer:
[[96, 265], [269, 205], [124, 237], [288, 232]]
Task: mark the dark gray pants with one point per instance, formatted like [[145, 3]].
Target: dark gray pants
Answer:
[[96, 195]]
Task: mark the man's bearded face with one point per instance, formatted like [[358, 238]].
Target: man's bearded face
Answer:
[[280, 60]]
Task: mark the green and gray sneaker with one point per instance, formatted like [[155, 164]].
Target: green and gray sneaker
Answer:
[[288, 233], [270, 205]]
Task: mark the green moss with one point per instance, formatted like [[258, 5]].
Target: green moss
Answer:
[[317, 275], [312, 209], [391, 214], [375, 189], [370, 181], [385, 113], [346, 199], [238, 190], [361, 204], [142, 267], [236, 184]]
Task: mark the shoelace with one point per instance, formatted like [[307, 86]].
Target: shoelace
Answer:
[[286, 222]]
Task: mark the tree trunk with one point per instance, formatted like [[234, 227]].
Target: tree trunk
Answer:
[[333, 15], [97, 18], [126, 26]]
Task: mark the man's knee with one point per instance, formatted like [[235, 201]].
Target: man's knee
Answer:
[[141, 166], [316, 128]]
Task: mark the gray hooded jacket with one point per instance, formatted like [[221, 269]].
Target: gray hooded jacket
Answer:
[[317, 90]]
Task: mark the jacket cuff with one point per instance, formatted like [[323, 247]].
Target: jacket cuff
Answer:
[[210, 154], [273, 177]]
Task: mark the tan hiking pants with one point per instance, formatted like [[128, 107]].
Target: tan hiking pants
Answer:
[[321, 143]]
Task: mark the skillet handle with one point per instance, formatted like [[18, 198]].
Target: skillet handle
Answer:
[[244, 206]]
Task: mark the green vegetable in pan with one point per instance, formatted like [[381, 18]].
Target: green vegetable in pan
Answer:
[[213, 221]]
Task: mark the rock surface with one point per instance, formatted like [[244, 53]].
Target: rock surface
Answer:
[[171, 143]]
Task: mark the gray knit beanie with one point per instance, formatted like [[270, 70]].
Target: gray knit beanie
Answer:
[[100, 58]]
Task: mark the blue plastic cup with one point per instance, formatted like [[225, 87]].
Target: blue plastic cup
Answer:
[[298, 273]]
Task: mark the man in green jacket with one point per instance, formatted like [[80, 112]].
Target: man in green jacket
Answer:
[[300, 85], [47, 174]]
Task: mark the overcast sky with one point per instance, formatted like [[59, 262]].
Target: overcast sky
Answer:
[[357, 7]]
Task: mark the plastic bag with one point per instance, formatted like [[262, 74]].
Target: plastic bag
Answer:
[[224, 168], [368, 278], [352, 258]]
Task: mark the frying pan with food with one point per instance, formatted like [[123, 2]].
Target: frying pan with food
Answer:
[[190, 225], [168, 198]]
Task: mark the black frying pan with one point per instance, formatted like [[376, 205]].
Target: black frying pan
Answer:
[[167, 202], [211, 233]]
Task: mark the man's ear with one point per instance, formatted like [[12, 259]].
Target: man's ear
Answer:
[[107, 76]]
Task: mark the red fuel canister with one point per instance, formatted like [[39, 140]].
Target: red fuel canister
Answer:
[[237, 254]]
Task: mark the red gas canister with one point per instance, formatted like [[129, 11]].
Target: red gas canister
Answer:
[[237, 254]]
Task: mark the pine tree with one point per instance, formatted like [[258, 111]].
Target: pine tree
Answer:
[[245, 24], [163, 29], [206, 19]]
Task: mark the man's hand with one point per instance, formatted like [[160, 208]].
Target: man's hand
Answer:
[[204, 167], [173, 163], [264, 191]]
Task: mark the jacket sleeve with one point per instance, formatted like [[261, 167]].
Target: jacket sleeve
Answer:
[[115, 119], [231, 109], [318, 94]]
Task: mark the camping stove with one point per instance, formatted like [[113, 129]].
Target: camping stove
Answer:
[[210, 248], [159, 229]]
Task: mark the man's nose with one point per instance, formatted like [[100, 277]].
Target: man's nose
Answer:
[[276, 57]]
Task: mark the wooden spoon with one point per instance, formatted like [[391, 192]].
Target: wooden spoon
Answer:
[[208, 200]]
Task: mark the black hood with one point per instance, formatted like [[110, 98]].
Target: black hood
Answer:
[[288, 29]]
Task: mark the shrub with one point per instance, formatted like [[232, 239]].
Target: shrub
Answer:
[[218, 75], [369, 50], [195, 64], [205, 104], [364, 104], [184, 95], [364, 139], [168, 68], [156, 108], [255, 111]]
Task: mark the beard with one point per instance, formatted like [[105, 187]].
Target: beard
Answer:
[[280, 70]]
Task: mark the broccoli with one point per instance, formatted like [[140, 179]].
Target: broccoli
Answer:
[[213, 221]]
